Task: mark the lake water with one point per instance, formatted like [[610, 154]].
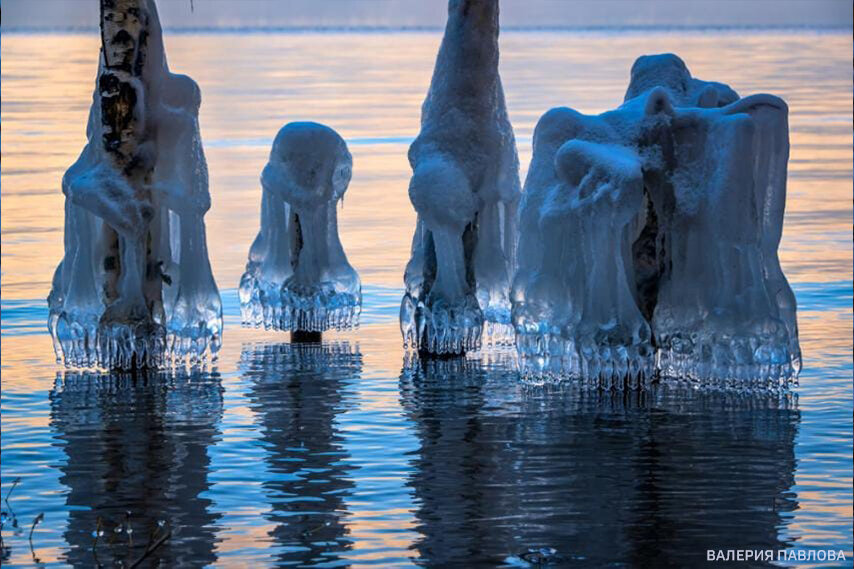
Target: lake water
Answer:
[[348, 453]]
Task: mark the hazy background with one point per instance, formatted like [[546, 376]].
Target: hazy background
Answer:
[[431, 13]]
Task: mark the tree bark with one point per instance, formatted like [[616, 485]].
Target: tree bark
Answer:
[[122, 90]]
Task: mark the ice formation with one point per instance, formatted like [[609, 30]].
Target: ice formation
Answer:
[[298, 277], [135, 286], [465, 189], [649, 234]]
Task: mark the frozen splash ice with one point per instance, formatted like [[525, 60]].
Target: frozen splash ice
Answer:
[[298, 277], [465, 189], [135, 287], [649, 234]]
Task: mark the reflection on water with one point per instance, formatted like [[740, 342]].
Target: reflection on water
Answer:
[[645, 479], [137, 457], [297, 390]]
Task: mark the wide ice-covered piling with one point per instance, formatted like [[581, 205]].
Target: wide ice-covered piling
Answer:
[[135, 286], [465, 189], [649, 234], [298, 277]]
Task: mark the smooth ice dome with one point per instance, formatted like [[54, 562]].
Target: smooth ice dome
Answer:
[[649, 234], [135, 287], [309, 165], [465, 189], [298, 277]]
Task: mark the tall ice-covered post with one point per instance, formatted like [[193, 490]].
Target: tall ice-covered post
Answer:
[[465, 189]]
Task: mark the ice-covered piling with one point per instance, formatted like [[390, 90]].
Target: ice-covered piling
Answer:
[[649, 235], [135, 287], [465, 189], [298, 277]]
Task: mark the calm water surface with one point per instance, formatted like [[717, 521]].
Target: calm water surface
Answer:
[[350, 454]]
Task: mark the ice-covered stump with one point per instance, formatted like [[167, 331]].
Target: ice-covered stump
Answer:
[[135, 286], [465, 189], [298, 277], [694, 179]]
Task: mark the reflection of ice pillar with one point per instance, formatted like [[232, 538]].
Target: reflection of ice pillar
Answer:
[[645, 479], [465, 187], [654, 228], [138, 445], [135, 287], [462, 478], [297, 391], [298, 277]]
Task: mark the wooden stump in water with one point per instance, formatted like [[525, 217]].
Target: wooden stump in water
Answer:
[[304, 337], [424, 354]]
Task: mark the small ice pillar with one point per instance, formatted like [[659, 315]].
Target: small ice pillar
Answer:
[[135, 287], [698, 251], [465, 189], [298, 277]]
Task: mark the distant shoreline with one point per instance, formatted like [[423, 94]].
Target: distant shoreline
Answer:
[[227, 30]]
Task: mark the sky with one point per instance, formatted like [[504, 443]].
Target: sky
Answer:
[[431, 13]]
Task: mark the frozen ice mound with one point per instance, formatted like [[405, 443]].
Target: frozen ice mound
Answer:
[[135, 287], [298, 277], [465, 188], [649, 234]]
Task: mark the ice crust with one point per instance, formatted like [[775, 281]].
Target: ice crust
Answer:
[[298, 277], [135, 287], [465, 188], [649, 234]]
